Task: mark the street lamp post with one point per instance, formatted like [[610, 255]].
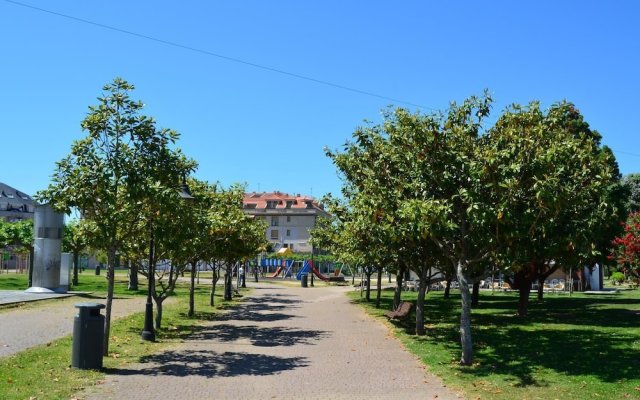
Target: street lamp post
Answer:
[[148, 332]]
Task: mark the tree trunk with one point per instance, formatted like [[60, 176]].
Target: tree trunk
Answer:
[[228, 283], [158, 312], [133, 275], [76, 257], [171, 272], [368, 292], [475, 294], [447, 289], [214, 282], [255, 273], [397, 296], [379, 288], [422, 291], [540, 288], [522, 282], [523, 299], [192, 290], [465, 317], [111, 262]]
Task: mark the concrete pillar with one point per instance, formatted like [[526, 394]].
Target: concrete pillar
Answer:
[[47, 232]]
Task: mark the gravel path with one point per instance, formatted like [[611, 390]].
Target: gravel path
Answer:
[[21, 329], [281, 343]]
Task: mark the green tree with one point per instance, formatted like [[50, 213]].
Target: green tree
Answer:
[[451, 206], [559, 191], [632, 183], [19, 235], [108, 174], [199, 244], [74, 241], [424, 184], [234, 236]]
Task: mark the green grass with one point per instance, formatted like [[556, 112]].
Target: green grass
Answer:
[[13, 281], [44, 372], [94, 285], [87, 282], [568, 348]]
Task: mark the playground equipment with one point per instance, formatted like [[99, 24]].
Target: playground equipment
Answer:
[[283, 266], [309, 267], [276, 273]]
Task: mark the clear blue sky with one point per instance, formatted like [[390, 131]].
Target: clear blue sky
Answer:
[[246, 124]]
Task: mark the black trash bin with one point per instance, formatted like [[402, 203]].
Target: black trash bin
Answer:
[[303, 280], [98, 267], [88, 335]]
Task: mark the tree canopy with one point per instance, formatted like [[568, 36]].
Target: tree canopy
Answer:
[[442, 191]]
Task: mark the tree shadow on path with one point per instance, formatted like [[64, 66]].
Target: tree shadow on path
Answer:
[[259, 336], [209, 364]]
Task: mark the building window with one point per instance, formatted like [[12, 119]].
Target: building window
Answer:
[[274, 234], [274, 221], [288, 218], [288, 232], [291, 246]]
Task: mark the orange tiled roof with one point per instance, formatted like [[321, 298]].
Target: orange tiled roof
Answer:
[[297, 201]]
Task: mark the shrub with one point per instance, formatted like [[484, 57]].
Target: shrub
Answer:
[[617, 278]]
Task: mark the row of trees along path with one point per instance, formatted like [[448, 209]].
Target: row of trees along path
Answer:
[[125, 178], [441, 194]]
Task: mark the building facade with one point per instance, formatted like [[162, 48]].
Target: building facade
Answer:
[[15, 205], [289, 218]]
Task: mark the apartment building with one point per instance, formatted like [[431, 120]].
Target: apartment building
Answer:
[[14, 204], [290, 217]]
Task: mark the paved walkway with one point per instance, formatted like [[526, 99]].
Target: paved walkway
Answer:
[[281, 343], [20, 296], [21, 329]]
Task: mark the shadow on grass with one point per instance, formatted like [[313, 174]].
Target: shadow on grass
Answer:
[[211, 364], [519, 353], [572, 336]]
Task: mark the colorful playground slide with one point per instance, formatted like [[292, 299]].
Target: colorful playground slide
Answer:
[[308, 266], [318, 274], [277, 272]]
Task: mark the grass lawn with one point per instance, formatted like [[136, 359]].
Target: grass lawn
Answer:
[[570, 347], [87, 282], [44, 372]]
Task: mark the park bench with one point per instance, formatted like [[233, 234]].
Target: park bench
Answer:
[[403, 310]]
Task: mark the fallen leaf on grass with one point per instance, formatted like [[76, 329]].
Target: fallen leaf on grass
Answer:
[[9, 380]]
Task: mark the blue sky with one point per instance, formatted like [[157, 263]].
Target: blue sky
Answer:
[[247, 124]]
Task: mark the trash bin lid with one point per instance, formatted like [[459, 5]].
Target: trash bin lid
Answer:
[[90, 305]]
